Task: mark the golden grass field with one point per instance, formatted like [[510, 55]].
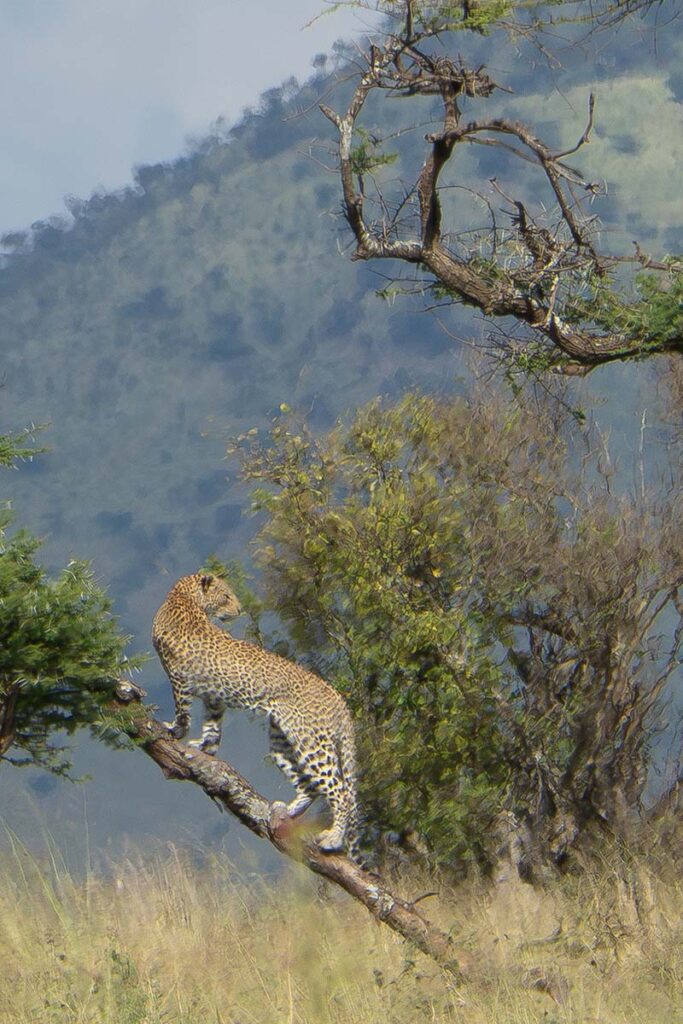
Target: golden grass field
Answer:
[[164, 941]]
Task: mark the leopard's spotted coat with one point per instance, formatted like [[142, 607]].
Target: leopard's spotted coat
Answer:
[[311, 730]]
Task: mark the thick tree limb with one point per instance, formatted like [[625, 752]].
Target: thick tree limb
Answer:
[[226, 786]]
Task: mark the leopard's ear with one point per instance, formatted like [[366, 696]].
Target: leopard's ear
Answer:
[[205, 582]]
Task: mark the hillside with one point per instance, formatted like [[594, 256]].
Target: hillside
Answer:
[[174, 313]]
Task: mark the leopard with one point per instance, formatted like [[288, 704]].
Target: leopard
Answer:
[[311, 729]]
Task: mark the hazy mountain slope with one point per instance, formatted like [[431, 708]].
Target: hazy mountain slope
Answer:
[[203, 302]]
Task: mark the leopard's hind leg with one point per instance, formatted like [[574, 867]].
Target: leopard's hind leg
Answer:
[[283, 756], [212, 726], [338, 786]]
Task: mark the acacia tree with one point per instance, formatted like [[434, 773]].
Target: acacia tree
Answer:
[[575, 307], [60, 648], [504, 626]]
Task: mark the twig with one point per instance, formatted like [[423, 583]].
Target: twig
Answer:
[[585, 138]]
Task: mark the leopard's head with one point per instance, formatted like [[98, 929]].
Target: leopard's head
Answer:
[[216, 597]]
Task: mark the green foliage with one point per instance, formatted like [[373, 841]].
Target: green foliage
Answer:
[[442, 564], [60, 648], [436, 17], [475, 16], [16, 448], [484, 16], [216, 567], [366, 157], [366, 554], [653, 318], [660, 316]]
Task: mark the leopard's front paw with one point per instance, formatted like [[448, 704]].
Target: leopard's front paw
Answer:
[[177, 731], [206, 748]]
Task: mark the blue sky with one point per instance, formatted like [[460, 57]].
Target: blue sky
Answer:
[[88, 88]]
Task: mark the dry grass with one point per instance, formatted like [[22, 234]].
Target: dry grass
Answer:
[[175, 942]]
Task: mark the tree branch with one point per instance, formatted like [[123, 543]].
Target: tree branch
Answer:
[[228, 788]]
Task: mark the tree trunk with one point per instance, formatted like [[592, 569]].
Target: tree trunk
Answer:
[[8, 706]]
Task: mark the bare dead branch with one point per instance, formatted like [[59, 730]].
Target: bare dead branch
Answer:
[[585, 138], [499, 144], [646, 261], [553, 171]]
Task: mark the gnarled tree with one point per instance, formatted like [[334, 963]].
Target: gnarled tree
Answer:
[[575, 307]]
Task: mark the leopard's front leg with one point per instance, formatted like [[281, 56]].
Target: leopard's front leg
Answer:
[[211, 726], [182, 698]]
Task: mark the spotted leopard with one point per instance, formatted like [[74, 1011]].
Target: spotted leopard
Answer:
[[310, 726]]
